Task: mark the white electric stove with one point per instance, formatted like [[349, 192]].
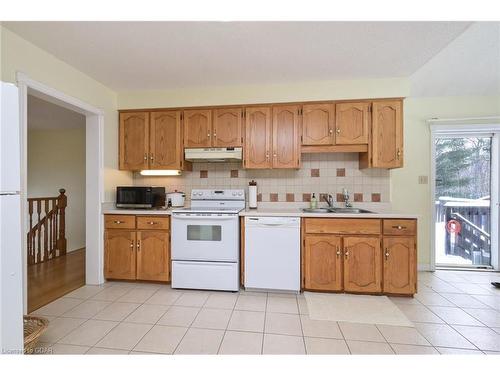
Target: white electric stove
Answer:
[[206, 241]]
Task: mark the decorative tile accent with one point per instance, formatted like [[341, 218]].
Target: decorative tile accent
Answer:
[[375, 197], [335, 171], [259, 197], [340, 197], [273, 197], [314, 172], [290, 197], [358, 197]]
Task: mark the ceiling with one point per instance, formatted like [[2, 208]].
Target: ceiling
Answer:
[[164, 55], [45, 115]]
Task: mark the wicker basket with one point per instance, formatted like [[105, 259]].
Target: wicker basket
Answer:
[[33, 329]]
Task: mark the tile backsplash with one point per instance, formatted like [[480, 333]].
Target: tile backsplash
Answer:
[[319, 174]]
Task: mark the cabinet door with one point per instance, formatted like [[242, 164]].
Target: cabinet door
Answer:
[[257, 137], [323, 263], [352, 120], [153, 255], [198, 128], [399, 265], [387, 130], [134, 141], [286, 144], [318, 122], [119, 254], [362, 264], [165, 140], [227, 127]]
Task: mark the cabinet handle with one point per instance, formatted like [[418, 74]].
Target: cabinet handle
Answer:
[[208, 135], [138, 245], [330, 131], [338, 252], [346, 252], [275, 155], [151, 157], [132, 245], [145, 156], [117, 222], [399, 227], [151, 222], [386, 254], [267, 155], [215, 135], [398, 154], [338, 130]]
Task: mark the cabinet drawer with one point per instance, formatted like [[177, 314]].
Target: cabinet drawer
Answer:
[[153, 222], [343, 226], [400, 227], [119, 221]]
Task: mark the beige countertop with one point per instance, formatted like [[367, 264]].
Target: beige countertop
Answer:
[[270, 211]]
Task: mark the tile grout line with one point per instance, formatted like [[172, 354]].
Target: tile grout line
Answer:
[[301, 326], [227, 325], [264, 329]]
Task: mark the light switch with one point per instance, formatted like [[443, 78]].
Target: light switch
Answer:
[[423, 180]]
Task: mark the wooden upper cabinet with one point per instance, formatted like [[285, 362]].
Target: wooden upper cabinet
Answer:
[[165, 150], [362, 264], [286, 144], [227, 127], [153, 255], [318, 124], [119, 254], [198, 128], [134, 141], [323, 263], [399, 265], [257, 137], [387, 133], [352, 123]]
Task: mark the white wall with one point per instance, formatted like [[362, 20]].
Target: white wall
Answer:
[[56, 159]]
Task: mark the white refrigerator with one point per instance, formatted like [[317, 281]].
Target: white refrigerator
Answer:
[[11, 273]]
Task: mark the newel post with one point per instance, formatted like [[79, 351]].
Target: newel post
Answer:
[[62, 202]]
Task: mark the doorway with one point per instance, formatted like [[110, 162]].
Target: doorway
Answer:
[[94, 120], [465, 197]]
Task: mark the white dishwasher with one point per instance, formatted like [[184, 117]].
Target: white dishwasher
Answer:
[[272, 253]]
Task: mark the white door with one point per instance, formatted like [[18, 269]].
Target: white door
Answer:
[[205, 237], [11, 289]]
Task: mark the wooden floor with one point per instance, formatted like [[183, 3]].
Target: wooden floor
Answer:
[[50, 280]]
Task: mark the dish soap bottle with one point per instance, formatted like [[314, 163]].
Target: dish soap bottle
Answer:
[[314, 202]]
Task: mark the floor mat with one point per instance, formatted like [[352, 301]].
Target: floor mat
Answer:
[[355, 309]]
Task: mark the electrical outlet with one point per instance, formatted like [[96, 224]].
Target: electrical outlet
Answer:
[[423, 180]]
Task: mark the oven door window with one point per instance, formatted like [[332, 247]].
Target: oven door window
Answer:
[[204, 232]]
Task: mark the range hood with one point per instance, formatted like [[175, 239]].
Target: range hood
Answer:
[[213, 154]]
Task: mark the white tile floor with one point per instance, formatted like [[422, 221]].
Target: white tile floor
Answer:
[[455, 312]]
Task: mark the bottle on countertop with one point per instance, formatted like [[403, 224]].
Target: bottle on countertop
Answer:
[[252, 194], [314, 201]]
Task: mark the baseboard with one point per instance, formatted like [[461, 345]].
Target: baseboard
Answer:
[[424, 267]]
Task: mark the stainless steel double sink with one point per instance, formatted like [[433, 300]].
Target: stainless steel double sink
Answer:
[[337, 210]]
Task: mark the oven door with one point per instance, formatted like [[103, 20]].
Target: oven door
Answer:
[[205, 237]]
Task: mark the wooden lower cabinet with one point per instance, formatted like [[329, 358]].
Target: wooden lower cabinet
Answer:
[[323, 263], [137, 254], [372, 256], [399, 265], [119, 254], [362, 264], [153, 256]]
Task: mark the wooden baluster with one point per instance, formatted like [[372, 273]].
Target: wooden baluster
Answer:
[[31, 253], [62, 203], [46, 232], [37, 233]]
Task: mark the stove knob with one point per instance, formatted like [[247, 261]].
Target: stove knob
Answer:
[[240, 193], [234, 194]]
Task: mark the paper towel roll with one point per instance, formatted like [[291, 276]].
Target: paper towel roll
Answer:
[[252, 196]]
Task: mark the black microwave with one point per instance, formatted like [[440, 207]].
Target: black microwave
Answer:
[[140, 196]]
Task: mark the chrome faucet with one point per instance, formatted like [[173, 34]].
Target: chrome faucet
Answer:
[[345, 193], [329, 199]]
